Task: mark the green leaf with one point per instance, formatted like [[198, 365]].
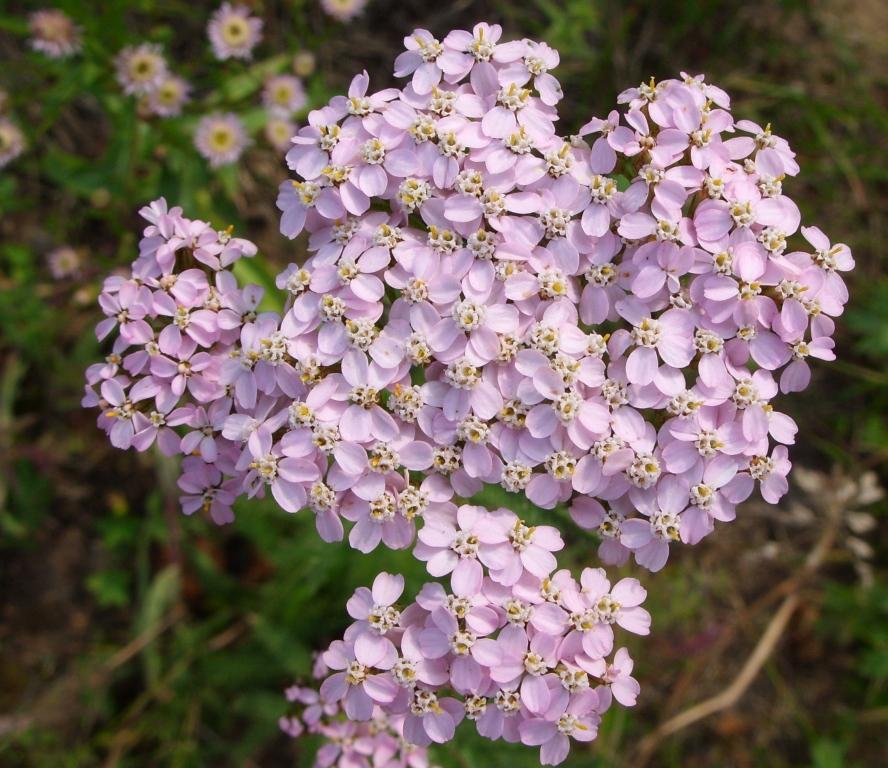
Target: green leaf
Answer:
[[826, 753], [110, 588], [160, 597]]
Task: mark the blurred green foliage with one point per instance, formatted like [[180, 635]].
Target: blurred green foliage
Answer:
[[133, 636]]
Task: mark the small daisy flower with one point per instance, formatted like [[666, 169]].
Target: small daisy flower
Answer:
[[141, 68], [343, 10], [64, 262], [283, 95], [12, 141], [279, 130], [304, 63], [220, 138], [169, 97], [233, 32], [54, 34]]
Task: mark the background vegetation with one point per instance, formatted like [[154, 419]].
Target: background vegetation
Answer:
[[132, 636]]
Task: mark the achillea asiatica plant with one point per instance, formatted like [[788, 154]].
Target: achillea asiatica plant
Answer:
[[601, 322]]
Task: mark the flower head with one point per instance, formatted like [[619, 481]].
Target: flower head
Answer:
[[304, 63], [283, 95], [64, 262], [279, 130], [12, 141], [234, 32], [220, 138], [168, 98], [343, 10], [141, 68], [54, 33]]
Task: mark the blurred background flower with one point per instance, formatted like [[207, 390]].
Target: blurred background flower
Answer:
[[279, 130], [64, 262], [220, 138], [169, 97], [12, 141], [234, 32], [141, 68], [53, 33], [343, 10], [284, 94]]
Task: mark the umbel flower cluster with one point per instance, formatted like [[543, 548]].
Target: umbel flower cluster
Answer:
[[524, 662], [376, 742], [599, 322]]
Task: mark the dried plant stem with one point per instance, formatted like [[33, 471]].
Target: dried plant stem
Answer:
[[127, 737], [138, 644], [764, 648]]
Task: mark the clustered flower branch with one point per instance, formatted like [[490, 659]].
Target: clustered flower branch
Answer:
[[600, 321]]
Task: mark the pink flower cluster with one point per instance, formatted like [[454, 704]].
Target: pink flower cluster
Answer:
[[374, 743], [601, 323], [596, 325], [175, 320], [519, 650]]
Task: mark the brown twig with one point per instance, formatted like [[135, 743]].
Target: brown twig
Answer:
[[54, 700], [139, 643], [764, 648], [127, 736], [741, 620]]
